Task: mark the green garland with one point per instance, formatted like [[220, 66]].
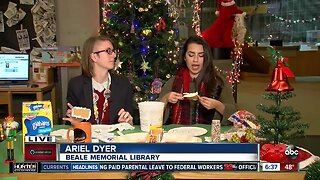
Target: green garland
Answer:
[[275, 56], [313, 171]]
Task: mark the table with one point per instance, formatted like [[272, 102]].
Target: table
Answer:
[[122, 175], [6, 95]]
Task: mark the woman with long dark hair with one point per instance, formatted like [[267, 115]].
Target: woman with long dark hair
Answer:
[[196, 74]]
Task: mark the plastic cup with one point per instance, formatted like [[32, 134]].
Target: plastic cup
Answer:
[[151, 114]]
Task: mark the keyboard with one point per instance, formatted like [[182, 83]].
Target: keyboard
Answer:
[[13, 85]]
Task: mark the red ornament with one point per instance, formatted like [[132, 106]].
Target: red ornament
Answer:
[[279, 77], [161, 25], [279, 81]]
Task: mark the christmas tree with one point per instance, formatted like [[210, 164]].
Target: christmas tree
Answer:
[[313, 171], [147, 42], [284, 124]]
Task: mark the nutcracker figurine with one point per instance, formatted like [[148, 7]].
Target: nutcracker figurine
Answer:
[[10, 131]]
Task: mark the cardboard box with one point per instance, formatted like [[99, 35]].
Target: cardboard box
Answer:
[[42, 74], [36, 119]]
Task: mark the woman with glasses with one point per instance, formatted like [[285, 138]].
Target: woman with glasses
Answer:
[[108, 95], [196, 75]]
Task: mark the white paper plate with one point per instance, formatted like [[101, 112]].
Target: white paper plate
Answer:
[[131, 138], [190, 131], [179, 138], [98, 128], [167, 138]]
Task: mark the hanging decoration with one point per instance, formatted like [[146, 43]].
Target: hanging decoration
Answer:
[[161, 25], [156, 86], [145, 65], [141, 9], [196, 18], [132, 27], [118, 64], [280, 74], [146, 32]]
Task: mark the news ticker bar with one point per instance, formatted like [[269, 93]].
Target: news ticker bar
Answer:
[[160, 157], [138, 152], [44, 167]]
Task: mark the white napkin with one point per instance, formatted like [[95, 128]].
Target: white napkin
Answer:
[[108, 137], [105, 137], [123, 126]]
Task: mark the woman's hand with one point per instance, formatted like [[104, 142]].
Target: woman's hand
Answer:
[[125, 116], [211, 103], [69, 118], [172, 97]]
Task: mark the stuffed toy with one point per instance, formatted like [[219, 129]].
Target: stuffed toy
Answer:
[[220, 33]]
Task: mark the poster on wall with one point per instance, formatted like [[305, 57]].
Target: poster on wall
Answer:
[[23, 39], [37, 16], [43, 13], [1, 22]]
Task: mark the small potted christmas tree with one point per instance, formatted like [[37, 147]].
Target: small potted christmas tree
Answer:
[[284, 124]]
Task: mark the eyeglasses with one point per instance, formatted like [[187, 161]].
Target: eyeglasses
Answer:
[[109, 51]]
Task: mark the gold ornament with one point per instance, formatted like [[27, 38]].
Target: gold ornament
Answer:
[[147, 32], [141, 9]]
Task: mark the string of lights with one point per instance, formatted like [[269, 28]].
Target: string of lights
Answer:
[[196, 18], [294, 21]]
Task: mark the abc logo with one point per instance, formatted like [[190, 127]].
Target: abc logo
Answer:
[[291, 152]]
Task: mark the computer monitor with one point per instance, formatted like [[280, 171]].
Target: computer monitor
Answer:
[[14, 67]]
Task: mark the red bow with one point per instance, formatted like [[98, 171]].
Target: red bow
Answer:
[[285, 68]]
